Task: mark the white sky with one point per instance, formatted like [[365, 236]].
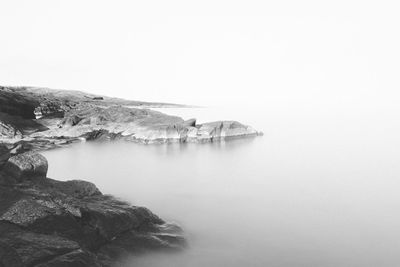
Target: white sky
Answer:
[[204, 52]]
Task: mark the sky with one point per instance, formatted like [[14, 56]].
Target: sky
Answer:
[[205, 52]]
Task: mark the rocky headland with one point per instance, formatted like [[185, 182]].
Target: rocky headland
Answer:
[[44, 118], [44, 222]]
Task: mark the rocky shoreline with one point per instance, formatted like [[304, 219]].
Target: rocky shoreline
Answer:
[[45, 118], [44, 222]]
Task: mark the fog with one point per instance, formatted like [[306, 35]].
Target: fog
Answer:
[[320, 78], [205, 53]]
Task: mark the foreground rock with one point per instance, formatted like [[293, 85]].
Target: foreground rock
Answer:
[[44, 222], [50, 118]]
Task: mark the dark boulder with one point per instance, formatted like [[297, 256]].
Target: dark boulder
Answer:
[[27, 165], [52, 223]]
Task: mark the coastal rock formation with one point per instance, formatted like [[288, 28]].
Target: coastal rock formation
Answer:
[[44, 222], [51, 118]]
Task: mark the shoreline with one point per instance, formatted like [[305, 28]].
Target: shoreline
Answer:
[[45, 222]]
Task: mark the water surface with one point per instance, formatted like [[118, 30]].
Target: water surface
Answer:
[[320, 188]]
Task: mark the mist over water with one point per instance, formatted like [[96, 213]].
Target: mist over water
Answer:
[[320, 188]]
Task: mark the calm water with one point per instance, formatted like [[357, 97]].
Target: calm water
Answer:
[[320, 188]]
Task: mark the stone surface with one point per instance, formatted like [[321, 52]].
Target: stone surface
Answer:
[[27, 165], [190, 123], [51, 223], [4, 154]]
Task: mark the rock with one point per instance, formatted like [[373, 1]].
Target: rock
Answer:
[[70, 115], [100, 135], [12, 126], [78, 188], [51, 108], [9, 256], [77, 258], [70, 121], [25, 248], [33, 248], [214, 131], [8, 130], [73, 223], [44, 222], [14, 103], [27, 165], [190, 123], [4, 154]]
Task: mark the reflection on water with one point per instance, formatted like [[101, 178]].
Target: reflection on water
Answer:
[[319, 189]]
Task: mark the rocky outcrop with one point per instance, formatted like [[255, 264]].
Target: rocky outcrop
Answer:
[[223, 129], [8, 130], [63, 117], [14, 126], [44, 222], [16, 104]]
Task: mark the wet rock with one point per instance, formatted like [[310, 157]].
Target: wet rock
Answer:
[[9, 256]]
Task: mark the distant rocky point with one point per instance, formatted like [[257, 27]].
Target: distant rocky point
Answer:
[[46, 118]]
